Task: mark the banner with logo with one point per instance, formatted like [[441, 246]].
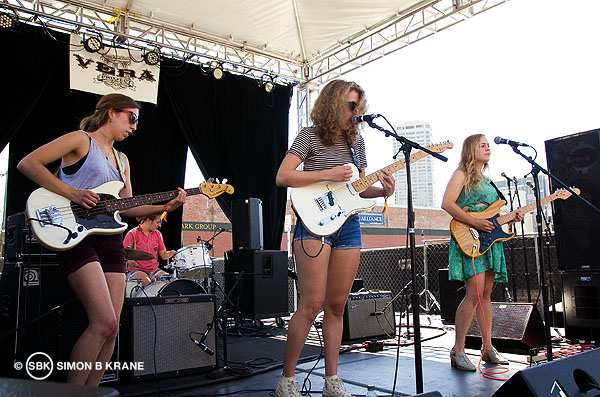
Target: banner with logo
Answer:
[[112, 70], [371, 218]]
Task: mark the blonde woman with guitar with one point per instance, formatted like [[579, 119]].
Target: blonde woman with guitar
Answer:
[[470, 191], [95, 267], [326, 264]]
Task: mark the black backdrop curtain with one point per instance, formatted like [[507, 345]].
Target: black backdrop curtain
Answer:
[[233, 128]]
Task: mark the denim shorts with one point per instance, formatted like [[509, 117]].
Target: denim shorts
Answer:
[[348, 236]]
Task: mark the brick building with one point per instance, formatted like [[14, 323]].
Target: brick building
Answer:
[[202, 217]]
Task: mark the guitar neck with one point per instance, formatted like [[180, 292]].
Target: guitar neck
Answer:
[[360, 185], [502, 219], [146, 199]]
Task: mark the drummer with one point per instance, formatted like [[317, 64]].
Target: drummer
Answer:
[[146, 237]]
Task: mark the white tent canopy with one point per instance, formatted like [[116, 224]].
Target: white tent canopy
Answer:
[[294, 41]]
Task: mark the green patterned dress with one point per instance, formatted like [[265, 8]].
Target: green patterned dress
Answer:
[[460, 265]]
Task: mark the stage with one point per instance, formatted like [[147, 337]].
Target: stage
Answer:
[[255, 358]]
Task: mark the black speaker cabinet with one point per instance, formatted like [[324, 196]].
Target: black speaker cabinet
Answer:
[[257, 282], [516, 327], [563, 377], [452, 293], [247, 224], [575, 159], [366, 315], [178, 320], [38, 301], [21, 245], [581, 300]]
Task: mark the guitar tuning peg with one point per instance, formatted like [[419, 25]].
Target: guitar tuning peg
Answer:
[[218, 181], [224, 180], [210, 180]]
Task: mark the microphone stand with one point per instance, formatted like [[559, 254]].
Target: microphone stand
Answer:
[[524, 242], [406, 146], [510, 247], [535, 170]]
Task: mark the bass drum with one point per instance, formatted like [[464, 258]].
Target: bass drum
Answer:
[[178, 287]]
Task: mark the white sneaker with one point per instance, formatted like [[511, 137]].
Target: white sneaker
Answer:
[[334, 387], [287, 387]]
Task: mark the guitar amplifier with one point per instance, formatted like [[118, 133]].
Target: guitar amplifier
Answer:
[[21, 245], [367, 315]]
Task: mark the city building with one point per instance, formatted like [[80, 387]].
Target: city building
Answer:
[[423, 185]]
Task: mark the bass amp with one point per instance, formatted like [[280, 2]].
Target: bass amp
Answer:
[[368, 315]]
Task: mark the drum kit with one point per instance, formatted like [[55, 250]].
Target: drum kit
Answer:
[[191, 265]]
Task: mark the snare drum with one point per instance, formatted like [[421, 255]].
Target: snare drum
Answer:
[[135, 281], [193, 262], [172, 288]]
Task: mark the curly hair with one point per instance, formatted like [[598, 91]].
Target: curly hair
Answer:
[[467, 161], [327, 114], [94, 121]]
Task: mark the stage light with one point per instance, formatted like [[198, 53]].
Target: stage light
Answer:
[[92, 44], [152, 57], [217, 70], [7, 21], [268, 83]]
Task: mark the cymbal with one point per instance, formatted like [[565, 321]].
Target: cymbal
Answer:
[[137, 255]]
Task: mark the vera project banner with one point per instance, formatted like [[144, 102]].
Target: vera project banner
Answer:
[[112, 70]]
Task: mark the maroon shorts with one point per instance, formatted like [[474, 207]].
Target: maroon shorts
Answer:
[[106, 249]]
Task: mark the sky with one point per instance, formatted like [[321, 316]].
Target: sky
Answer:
[[526, 70]]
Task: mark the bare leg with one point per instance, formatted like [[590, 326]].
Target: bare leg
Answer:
[[116, 287], [91, 289], [342, 270], [312, 278], [486, 303], [464, 312]]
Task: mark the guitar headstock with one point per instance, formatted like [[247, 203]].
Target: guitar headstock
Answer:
[[212, 190], [565, 194], [440, 147]]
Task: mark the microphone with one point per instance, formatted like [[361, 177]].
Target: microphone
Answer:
[[222, 229], [507, 178], [376, 314], [528, 183], [204, 347], [365, 117], [504, 141]]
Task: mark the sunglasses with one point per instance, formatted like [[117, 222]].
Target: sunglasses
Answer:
[[133, 118], [352, 105]]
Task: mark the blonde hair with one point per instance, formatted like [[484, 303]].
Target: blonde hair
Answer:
[[467, 161], [94, 121], [327, 115]]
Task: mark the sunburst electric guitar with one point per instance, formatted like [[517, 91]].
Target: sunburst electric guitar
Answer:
[[323, 207], [473, 242], [60, 224]]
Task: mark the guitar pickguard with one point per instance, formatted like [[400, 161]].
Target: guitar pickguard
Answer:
[[487, 239]]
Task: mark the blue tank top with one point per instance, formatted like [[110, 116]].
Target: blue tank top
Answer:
[[95, 170]]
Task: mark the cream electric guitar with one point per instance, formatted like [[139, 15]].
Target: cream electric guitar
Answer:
[[60, 224], [323, 207]]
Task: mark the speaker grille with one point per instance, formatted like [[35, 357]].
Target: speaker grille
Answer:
[[365, 317], [176, 317]]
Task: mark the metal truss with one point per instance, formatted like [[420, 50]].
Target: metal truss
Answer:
[[424, 20], [122, 27]]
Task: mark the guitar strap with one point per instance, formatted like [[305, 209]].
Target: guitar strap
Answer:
[[119, 165], [355, 157], [497, 190]]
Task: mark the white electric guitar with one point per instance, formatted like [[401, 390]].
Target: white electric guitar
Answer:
[[323, 207], [60, 224]]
